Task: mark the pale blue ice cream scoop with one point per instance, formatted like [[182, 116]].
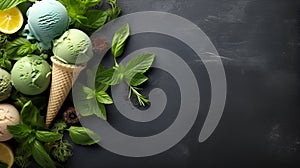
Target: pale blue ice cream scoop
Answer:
[[47, 19]]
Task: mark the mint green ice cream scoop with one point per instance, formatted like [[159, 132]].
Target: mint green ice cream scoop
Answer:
[[73, 47], [31, 75], [5, 85]]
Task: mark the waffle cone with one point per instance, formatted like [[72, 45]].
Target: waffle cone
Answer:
[[63, 76]]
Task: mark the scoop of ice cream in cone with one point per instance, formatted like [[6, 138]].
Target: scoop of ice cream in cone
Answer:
[[71, 52]]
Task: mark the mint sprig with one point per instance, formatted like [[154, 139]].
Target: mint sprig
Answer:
[[133, 72]]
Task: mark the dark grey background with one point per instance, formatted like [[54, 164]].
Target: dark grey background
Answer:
[[259, 40]]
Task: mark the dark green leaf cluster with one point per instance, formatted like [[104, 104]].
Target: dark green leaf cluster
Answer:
[[42, 144], [14, 50], [87, 19]]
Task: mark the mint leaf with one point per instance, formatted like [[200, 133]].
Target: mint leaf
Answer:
[[103, 97], [119, 39], [83, 136], [47, 136], [41, 156], [138, 79], [87, 107], [7, 4], [89, 92], [20, 47], [102, 112], [19, 131], [30, 115], [139, 64], [84, 106]]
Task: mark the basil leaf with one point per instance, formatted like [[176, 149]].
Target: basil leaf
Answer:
[[41, 156], [83, 136], [89, 92], [103, 97], [7, 4], [19, 131], [112, 76], [47, 136], [138, 79], [95, 19], [105, 76], [119, 39], [101, 112], [139, 64], [84, 106], [30, 115], [87, 107], [5, 63]]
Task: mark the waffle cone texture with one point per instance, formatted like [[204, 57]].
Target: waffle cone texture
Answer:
[[63, 76]]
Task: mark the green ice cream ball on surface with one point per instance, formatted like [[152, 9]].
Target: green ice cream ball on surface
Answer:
[[31, 75], [73, 47], [5, 85]]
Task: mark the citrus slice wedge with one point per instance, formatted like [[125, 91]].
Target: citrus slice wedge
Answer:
[[11, 20], [6, 155]]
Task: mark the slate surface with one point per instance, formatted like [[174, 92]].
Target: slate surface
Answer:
[[259, 42]]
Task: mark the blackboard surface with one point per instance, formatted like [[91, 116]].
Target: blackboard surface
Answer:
[[258, 41]]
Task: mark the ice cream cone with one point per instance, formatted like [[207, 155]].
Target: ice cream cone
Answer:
[[63, 76]]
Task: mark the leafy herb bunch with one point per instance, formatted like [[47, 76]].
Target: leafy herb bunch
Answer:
[[133, 74], [43, 145]]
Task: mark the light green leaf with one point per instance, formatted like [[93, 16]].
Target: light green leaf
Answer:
[[47, 136], [91, 3], [101, 112], [83, 106], [139, 64], [115, 10], [30, 115], [7, 4], [95, 20], [138, 79], [90, 93], [112, 76], [103, 97], [19, 131], [119, 39], [41, 156], [83, 136]]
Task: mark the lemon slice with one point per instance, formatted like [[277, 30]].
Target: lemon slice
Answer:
[[11, 20], [6, 155]]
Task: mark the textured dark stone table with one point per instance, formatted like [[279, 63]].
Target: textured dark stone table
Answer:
[[259, 42]]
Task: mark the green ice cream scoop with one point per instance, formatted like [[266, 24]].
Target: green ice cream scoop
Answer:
[[73, 47], [5, 85], [31, 75]]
